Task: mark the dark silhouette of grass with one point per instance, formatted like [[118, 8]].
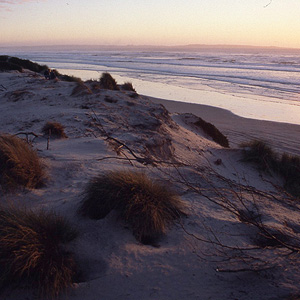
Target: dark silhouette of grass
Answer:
[[147, 206], [261, 153], [213, 132], [19, 164], [6, 66], [14, 63], [108, 82], [54, 129], [127, 86], [27, 64], [290, 170], [31, 250], [287, 166]]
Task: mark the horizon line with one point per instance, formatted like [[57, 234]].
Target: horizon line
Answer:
[[183, 46]]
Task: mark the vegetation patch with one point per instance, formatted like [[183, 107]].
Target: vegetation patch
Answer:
[[54, 129], [147, 206], [287, 166], [212, 131], [108, 82], [127, 86], [19, 164], [32, 252], [81, 89]]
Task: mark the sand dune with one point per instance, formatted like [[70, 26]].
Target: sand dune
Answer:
[[216, 252]]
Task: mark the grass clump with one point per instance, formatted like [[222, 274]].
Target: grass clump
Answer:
[[261, 153], [19, 164], [213, 132], [32, 252], [287, 166], [147, 206], [27, 64], [127, 86], [54, 129], [108, 82]]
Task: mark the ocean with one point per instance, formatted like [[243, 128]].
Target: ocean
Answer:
[[254, 83]]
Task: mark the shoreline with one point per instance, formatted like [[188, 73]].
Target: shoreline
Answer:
[[282, 137]]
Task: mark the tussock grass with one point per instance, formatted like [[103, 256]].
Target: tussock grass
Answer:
[[32, 252], [108, 82], [212, 131], [127, 86], [54, 129], [147, 206], [261, 153], [19, 164], [287, 166]]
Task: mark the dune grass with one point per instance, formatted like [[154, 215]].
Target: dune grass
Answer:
[[287, 166], [108, 82], [32, 252], [147, 206], [54, 129], [212, 131], [19, 164], [127, 86]]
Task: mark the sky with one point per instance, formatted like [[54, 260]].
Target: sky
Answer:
[[150, 22]]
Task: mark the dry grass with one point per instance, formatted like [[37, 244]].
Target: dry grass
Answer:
[[32, 253], [19, 164], [127, 86], [147, 206], [260, 153], [212, 131], [54, 129], [108, 82], [287, 166]]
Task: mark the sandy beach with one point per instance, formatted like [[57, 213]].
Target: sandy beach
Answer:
[[281, 136]]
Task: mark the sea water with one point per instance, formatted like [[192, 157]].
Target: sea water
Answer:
[[250, 82]]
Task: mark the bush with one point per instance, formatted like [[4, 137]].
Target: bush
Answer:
[[108, 82], [54, 129], [31, 250], [19, 164], [6, 66], [147, 206], [127, 86], [213, 132], [27, 64]]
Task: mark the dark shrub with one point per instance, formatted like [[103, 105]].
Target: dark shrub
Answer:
[[149, 207], [6, 66], [27, 64], [31, 250], [108, 82], [54, 129], [127, 86], [213, 132], [19, 164]]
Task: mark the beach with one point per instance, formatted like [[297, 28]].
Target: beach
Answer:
[[283, 137]]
